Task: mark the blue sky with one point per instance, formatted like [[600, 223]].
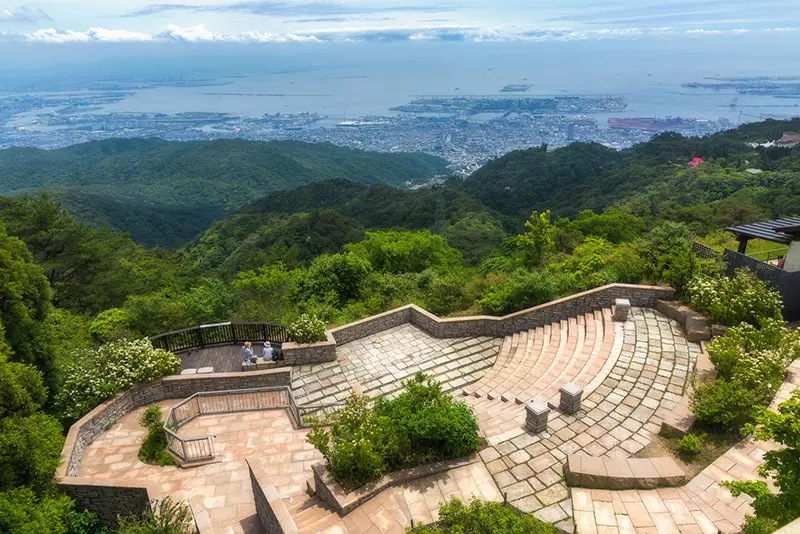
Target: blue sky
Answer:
[[106, 21]]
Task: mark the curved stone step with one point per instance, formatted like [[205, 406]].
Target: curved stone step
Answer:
[[534, 353], [517, 352], [503, 359]]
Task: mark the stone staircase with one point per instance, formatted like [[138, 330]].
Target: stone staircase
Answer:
[[536, 363], [310, 514]]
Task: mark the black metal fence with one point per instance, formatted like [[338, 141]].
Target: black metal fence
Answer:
[[784, 282], [220, 334]]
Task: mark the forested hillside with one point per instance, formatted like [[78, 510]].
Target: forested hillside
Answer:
[[165, 192]]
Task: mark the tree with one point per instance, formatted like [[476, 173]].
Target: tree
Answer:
[[24, 304], [30, 450], [23, 512], [537, 240], [22, 389], [405, 252], [773, 510]]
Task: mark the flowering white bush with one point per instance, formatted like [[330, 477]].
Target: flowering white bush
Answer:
[[307, 329], [98, 374], [730, 301]]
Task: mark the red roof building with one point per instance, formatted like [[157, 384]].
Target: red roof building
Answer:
[[695, 162]]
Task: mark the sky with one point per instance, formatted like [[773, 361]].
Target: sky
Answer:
[[101, 22]]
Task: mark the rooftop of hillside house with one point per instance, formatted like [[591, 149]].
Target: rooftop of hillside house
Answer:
[[633, 370]]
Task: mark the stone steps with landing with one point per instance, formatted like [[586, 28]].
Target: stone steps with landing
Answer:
[[507, 348], [518, 343], [534, 352], [580, 367]]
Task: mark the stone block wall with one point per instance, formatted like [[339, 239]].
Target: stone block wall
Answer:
[[372, 325], [270, 508], [107, 501], [305, 353], [82, 433]]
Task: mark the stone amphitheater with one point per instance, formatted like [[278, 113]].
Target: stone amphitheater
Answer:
[[625, 372]]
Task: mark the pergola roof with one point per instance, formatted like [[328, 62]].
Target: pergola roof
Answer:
[[777, 231]]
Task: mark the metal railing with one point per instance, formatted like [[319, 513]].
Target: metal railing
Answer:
[[769, 255], [219, 334], [197, 448]]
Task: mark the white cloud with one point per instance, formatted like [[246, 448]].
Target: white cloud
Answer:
[[199, 34], [190, 34], [101, 35]]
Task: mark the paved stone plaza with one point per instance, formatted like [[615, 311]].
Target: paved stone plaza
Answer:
[[632, 374], [376, 365]]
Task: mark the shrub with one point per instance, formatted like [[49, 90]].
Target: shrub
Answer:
[[110, 325], [730, 301], [307, 329], [22, 389], [690, 444], [166, 517], [154, 446], [357, 443], [30, 448], [22, 512], [522, 289], [723, 402], [420, 425], [750, 366], [481, 517], [774, 509], [99, 374]]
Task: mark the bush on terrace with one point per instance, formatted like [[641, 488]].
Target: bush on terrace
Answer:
[[730, 301], [307, 329], [481, 517], [420, 425], [98, 374]]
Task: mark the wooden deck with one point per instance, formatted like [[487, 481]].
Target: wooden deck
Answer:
[[223, 358]]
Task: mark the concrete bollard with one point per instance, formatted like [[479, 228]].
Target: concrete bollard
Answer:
[[622, 308], [570, 398], [536, 417]]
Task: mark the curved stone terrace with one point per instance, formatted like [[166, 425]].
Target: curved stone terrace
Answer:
[[633, 373]]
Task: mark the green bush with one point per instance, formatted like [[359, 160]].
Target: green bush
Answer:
[[166, 517], [730, 301], [481, 517], [750, 365], [690, 444], [422, 424], [99, 374], [22, 512], [154, 446], [30, 450], [774, 509], [110, 325], [307, 329], [723, 402]]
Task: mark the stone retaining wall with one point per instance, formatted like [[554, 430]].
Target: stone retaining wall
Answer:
[[95, 422], [331, 493], [270, 508], [696, 326], [108, 501], [480, 325], [305, 353]]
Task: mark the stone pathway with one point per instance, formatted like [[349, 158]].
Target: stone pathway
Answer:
[[651, 363], [397, 507], [220, 491], [701, 506], [376, 365]]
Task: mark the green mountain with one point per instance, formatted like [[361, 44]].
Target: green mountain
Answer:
[[650, 181], [164, 192]]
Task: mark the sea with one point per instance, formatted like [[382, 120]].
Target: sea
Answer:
[[352, 80]]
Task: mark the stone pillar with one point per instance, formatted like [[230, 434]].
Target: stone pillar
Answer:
[[621, 309], [570, 398], [536, 417]]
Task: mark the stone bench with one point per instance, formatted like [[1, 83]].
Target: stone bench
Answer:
[[260, 365], [596, 472]]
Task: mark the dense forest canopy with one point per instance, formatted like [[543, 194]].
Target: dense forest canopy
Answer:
[[165, 192]]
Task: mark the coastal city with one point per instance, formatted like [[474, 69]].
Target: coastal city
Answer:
[[466, 131]]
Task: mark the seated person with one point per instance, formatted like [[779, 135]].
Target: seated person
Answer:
[[267, 353], [247, 353]]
